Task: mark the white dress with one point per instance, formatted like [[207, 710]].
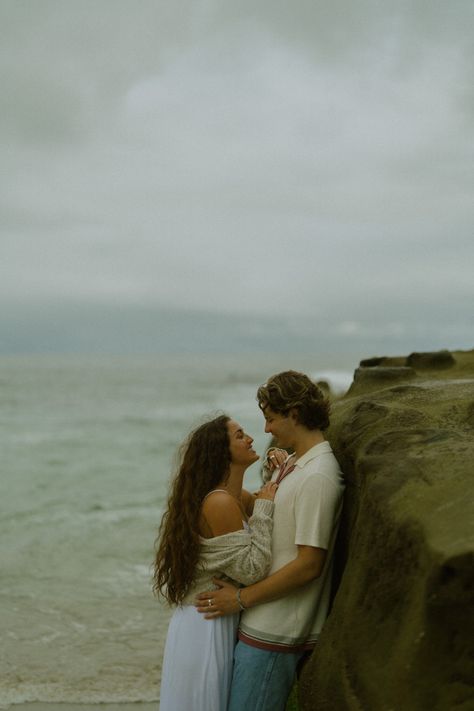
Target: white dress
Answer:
[[198, 655], [197, 665]]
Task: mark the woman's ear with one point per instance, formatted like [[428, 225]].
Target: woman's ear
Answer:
[[293, 415]]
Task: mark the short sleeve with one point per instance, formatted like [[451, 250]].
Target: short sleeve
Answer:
[[317, 507]]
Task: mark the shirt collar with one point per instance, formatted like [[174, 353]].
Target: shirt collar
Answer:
[[316, 451]]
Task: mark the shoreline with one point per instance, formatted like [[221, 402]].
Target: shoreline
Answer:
[[87, 706]]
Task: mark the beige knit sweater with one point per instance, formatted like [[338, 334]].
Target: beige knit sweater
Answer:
[[241, 556]]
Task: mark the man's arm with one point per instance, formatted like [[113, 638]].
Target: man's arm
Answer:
[[307, 566]]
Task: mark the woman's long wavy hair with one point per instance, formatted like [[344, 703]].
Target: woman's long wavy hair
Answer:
[[204, 462]]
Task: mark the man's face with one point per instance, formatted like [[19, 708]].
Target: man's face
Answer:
[[281, 427]]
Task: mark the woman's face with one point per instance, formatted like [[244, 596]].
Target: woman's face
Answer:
[[240, 445]]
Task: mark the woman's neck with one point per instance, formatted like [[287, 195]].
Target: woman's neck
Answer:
[[233, 484]]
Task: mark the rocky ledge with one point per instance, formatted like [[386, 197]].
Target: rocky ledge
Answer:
[[400, 633]]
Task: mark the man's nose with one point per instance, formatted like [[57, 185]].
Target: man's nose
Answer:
[[267, 428]]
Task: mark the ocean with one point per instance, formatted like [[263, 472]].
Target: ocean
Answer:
[[88, 445]]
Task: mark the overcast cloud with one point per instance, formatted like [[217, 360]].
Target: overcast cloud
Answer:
[[309, 162]]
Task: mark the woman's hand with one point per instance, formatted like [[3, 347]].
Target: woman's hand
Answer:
[[274, 458], [267, 491], [216, 603]]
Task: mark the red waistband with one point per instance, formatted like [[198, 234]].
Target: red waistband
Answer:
[[275, 646]]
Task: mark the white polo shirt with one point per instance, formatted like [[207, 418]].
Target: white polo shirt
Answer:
[[307, 510]]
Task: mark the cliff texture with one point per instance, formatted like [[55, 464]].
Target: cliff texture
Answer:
[[401, 630]]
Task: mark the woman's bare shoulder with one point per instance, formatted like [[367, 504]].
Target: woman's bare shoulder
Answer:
[[222, 513]]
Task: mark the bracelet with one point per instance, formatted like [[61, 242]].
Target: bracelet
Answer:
[[241, 604]]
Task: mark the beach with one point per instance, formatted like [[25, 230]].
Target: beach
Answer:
[[88, 448], [41, 706]]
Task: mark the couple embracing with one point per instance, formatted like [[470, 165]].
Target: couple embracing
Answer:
[[257, 567]]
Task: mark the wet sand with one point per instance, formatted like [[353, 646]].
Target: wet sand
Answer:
[[50, 706]]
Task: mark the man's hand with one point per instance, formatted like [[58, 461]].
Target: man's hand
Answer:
[[216, 603]]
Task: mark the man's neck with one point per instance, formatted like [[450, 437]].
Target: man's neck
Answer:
[[305, 440]]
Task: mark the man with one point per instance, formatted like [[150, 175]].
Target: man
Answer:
[[283, 614]]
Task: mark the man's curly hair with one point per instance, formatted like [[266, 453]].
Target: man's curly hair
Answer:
[[293, 391]]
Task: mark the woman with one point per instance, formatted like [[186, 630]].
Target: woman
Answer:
[[211, 528]]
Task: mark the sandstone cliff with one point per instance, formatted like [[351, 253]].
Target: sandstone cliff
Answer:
[[400, 634]]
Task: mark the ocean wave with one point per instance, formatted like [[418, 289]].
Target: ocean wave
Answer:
[[96, 513], [59, 693]]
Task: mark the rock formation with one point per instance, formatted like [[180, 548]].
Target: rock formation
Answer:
[[401, 630]]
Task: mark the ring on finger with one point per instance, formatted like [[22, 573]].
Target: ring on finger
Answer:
[[209, 602]]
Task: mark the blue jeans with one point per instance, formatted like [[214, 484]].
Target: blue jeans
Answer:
[[261, 680]]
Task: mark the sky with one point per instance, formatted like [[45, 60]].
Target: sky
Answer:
[[225, 175]]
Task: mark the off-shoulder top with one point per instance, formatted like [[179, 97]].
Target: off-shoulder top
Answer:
[[243, 556]]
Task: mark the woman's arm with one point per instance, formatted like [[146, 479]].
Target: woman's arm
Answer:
[[248, 501], [274, 458], [243, 555]]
